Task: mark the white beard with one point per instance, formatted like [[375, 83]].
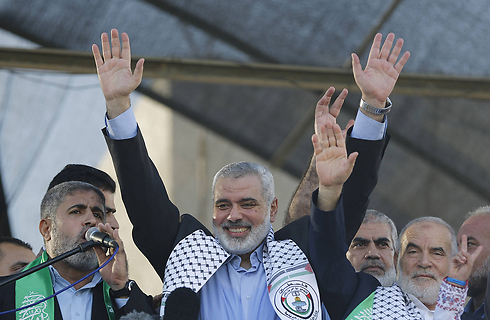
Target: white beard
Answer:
[[427, 291], [242, 245]]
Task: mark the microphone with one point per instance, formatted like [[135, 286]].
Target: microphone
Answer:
[[134, 315], [182, 304], [101, 238]]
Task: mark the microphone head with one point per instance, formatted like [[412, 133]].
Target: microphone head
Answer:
[[134, 315], [90, 232], [182, 303]]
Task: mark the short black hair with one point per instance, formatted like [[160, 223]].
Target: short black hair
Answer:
[[14, 241], [84, 173]]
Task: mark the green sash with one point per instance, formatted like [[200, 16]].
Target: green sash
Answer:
[[38, 286], [364, 311]]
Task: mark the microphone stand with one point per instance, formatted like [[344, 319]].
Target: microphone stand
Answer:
[[80, 248]]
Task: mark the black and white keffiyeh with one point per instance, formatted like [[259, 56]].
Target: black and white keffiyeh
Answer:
[[392, 303], [291, 283]]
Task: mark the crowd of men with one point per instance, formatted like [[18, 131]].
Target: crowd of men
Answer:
[[333, 259]]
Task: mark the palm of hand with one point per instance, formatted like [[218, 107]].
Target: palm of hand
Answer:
[[116, 78], [332, 166], [378, 79]]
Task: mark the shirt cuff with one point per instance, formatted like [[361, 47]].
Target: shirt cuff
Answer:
[[124, 126], [451, 300], [121, 302], [368, 129]]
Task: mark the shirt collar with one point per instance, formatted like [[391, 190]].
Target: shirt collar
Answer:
[[256, 258], [58, 280]]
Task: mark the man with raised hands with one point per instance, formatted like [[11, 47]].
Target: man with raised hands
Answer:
[[245, 272], [157, 221]]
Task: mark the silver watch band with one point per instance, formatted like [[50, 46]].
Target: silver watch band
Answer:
[[369, 108]]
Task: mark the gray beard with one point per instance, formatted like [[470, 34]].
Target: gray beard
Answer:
[[427, 293], [238, 246], [388, 278], [477, 282], [62, 243]]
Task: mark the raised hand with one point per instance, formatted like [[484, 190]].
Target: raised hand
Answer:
[[115, 273], [328, 114], [333, 166], [114, 69], [378, 79], [462, 263]]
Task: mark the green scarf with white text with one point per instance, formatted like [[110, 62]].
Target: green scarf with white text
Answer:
[[38, 286]]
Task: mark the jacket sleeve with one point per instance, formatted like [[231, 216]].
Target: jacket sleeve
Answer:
[[341, 288], [154, 217], [363, 179], [137, 302]]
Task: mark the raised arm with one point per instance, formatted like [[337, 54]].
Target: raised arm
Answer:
[[452, 295], [376, 82], [154, 217], [300, 202], [333, 166], [378, 79], [327, 232]]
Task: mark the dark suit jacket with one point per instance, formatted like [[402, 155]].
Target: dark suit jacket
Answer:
[[346, 288], [137, 301], [157, 226]]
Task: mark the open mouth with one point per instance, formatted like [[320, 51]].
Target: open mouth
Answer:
[[237, 231]]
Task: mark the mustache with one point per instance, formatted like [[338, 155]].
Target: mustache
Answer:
[[423, 272], [373, 263], [231, 224]]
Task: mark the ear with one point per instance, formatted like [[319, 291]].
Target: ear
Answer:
[[274, 207], [45, 226]]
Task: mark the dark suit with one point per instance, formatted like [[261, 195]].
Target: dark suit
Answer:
[[156, 221], [137, 301]]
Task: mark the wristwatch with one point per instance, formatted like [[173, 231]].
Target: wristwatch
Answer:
[[125, 291], [369, 108]]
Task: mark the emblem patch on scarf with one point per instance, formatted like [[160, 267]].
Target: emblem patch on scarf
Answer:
[[296, 299], [35, 312]]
